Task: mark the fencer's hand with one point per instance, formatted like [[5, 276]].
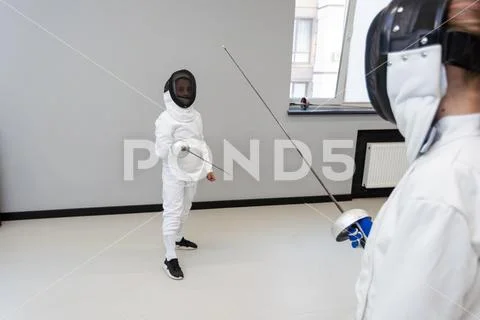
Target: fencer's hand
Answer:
[[358, 232], [180, 149], [211, 177]]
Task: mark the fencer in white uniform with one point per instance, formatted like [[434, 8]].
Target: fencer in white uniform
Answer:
[[422, 256], [186, 159], [421, 260]]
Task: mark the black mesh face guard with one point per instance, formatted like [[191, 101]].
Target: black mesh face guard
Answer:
[[182, 87]]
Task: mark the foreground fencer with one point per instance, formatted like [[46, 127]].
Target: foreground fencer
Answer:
[[180, 144], [421, 258]]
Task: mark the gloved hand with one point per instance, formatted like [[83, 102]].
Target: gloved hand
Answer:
[[359, 231], [353, 225], [180, 149]]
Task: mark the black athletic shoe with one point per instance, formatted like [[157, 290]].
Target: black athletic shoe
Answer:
[[186, 245], [173, 270]]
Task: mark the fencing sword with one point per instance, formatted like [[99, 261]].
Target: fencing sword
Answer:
[[339, 207], [204, 160]]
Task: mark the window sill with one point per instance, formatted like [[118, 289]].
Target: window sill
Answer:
[[296, 110]]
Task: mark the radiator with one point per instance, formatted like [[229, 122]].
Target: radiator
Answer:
[[385, 164]]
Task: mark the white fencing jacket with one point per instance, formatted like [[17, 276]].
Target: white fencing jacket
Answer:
[[179, 124], [421, 260]]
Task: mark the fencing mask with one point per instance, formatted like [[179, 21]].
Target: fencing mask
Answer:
[[182, 88], [408, 45]]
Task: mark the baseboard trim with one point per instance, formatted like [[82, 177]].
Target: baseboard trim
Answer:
[[79, 212]]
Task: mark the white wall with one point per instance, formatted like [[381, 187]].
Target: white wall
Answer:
[[63, 119]]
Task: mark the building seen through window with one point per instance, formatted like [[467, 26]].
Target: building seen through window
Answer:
[[318, 36]]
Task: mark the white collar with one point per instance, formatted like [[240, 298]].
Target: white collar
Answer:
[[459, 125], [451, 128], [180, 114]]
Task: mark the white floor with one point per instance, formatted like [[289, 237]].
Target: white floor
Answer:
[[277, 262]]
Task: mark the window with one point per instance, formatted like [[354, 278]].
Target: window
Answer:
[[298, 90], [302, 40], [318, 38]]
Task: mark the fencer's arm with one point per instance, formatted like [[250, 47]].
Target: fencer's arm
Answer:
[[208, 158], [429, 267], [163, 137], [205, 150]]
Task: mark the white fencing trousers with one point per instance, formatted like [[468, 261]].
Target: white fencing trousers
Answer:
[[177, 202]]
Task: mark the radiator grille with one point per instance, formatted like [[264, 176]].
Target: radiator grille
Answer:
[[385, 164]]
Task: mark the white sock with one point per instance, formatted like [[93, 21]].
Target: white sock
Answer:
[[179, 238], [169, 242], [180, 233]]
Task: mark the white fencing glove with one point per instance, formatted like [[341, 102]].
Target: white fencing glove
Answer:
[[353, 225], [180, 149]]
